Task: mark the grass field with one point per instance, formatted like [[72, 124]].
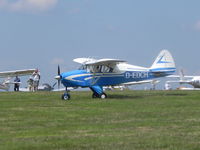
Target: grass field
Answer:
[[127, 120]]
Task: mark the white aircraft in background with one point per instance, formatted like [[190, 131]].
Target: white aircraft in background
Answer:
[[191, 80], [8, 75], [43, 87]]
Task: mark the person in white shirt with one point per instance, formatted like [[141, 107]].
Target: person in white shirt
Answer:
[[36, 79]]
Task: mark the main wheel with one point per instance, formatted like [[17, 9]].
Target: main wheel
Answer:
[[66, 96], [103, 96], [94, 95]]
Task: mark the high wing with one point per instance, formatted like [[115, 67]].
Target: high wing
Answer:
[[106, 62], [142, 82], [95, 62], [91, 61], [16, 73], [83, 61]]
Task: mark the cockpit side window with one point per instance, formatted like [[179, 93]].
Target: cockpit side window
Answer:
[[97, 69], [104, 69]]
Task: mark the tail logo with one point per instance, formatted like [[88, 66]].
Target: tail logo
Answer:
[[160, 61]]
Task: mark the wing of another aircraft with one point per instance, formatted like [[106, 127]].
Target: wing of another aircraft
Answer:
[[184, 88], [180, 81], [16, 73]]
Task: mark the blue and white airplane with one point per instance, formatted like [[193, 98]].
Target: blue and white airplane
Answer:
[[96, 74]]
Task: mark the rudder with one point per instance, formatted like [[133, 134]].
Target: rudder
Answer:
[[164, 62]]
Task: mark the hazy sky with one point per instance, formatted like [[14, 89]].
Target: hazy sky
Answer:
[[44, 33]]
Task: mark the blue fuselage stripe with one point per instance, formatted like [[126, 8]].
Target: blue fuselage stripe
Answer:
[[86, 79]]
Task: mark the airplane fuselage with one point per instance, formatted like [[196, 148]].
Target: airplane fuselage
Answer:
[[195, 82], [122, 73]]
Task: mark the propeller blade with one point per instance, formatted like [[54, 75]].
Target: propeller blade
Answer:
[[58, 84], [58, 70], [58, 75]]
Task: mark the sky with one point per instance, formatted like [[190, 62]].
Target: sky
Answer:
[[44, 33]]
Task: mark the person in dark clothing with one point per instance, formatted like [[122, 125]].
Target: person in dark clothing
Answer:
[[17, 83]]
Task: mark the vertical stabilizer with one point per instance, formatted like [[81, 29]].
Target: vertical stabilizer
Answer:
[[164, 62], [181, 73]]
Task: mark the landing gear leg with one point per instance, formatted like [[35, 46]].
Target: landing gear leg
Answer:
[[98, 92], [66, 95]]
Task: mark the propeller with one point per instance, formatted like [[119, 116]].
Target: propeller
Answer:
[[58, 70], [58, 77]]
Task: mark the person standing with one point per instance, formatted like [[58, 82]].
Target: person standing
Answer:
[[16, 83], [30, 84], [36, 79]]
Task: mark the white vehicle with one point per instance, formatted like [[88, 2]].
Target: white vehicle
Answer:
[[8, 75]]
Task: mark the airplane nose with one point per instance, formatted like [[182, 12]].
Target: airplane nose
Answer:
[[73, 78], [58, 77]]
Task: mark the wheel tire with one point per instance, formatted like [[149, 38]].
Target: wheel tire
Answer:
[[94, 95], [103, 96], [66, 96]]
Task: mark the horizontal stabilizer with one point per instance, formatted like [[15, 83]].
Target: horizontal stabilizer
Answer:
[[178, 76], [142, 82]]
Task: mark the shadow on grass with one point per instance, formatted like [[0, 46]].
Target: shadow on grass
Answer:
[[115, 96], [125, 97], [176, 94]]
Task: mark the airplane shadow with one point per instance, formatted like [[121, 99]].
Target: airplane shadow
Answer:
[[143, 96], [176, 94], [125, 97]]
